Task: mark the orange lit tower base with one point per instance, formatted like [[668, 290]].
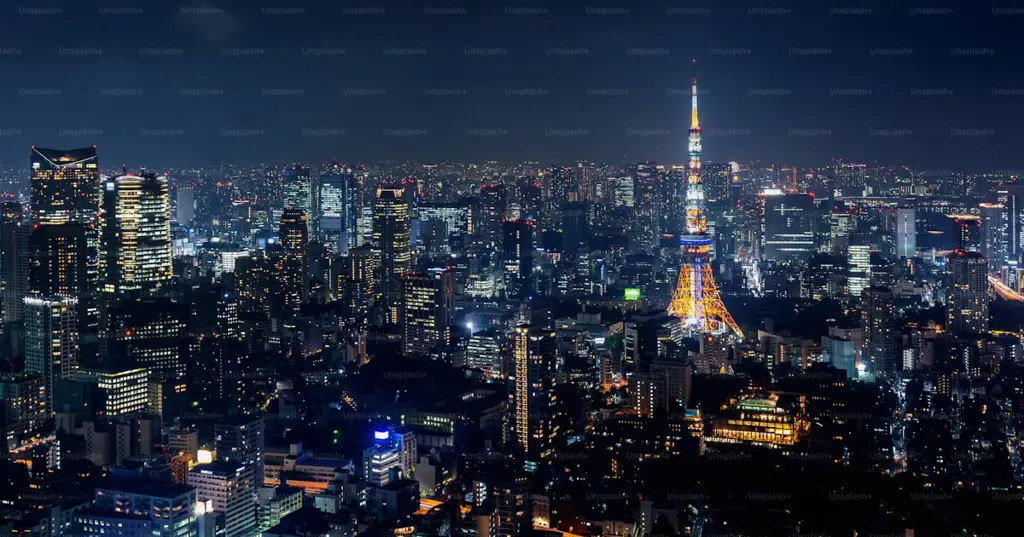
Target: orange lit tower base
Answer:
[[696, 300]]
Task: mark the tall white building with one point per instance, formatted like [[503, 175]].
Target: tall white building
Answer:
[[225, 485], [51, 340], [906, 232]]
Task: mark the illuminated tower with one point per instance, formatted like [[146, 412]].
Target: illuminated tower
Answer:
[[696, 300]]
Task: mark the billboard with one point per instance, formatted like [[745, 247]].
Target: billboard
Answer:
[[632, 293]]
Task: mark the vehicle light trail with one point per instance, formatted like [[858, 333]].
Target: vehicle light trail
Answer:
[[1004, 290]]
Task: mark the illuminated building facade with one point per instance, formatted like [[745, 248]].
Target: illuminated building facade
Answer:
[[293, 263], [300, 193], [391, 244], [483, 352], [993, 234], [967, 293], [645, 208], [966, 232], [427, 311], [534, 353], [517, 257], [230, 491], [124, 392], [23, 397], [65, 186], [776, 421], [339, 208], [149, 334], [492, 209], [878, 325], [906, 232], [860, 269], [136, 240], [14, 233], [696, 301], [65, 196], [171, 507], [788, 222], [51, 340]]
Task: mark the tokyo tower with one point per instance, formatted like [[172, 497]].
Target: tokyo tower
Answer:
[[696, 300]]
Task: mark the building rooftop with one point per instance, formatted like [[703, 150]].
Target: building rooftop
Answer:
[[146, 487]]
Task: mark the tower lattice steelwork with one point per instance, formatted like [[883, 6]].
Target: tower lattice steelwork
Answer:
[[696, 300]]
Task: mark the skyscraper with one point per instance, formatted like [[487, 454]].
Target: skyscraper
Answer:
[[185, 209], [14, 232], [906, 232], [492, 208], [993, 234], [51, 339], [338, 208], [391, 243], [696, 301], [136, 240], [293, 264], [788, 222], [878, 319], [427, 312], [534, 353], [65, 186], [645, 228], [1011, 197], [859, 277], [967, 293], [300, 193], [966, 232], [517, 257]]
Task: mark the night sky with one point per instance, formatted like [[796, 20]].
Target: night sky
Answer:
[[170, 83]]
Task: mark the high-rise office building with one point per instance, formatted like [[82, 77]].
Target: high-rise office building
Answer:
[[788, 221], [534, 358], [717, 182], [859, 277], [293, 265], [966, 232], [906, 232], [51, 339], [517, 257], [185, 205], [148, 333], [427, 312], [170, 507], [65, 190], [14, 256], [1011, 197], [136, 239], [229, 489], [645, 230], [993, 234], [575, 228], [65, 186], [492, 208], [300, 193], [392, 244], [967, 293], [242, 440], [878, 320], [483, 352], [23, 401], [338, 208]]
